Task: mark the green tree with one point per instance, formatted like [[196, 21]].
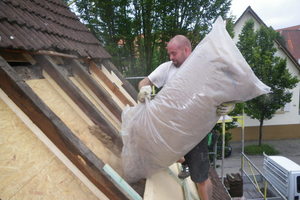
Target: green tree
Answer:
[[135, 32], [259, 51]]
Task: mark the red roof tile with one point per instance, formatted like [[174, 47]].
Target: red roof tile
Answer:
[[46, 25], [292, 39], [290, 28]]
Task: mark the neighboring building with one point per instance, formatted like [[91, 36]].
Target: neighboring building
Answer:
[[286, 122], [291, 36], [61, 101]]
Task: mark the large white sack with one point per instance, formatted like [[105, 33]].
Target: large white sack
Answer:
[[157, 133]]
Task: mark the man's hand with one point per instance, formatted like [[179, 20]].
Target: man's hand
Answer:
[[145, 92], [225, 108]]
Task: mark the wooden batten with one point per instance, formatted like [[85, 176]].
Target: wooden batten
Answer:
[[110, 84], [85, 105], [105, 98], [17, 56], [90, 165], [126, 85]]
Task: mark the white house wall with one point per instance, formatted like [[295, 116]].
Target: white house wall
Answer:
[[290, 114]]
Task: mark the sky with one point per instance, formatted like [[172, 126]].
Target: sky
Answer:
[[275, 13]]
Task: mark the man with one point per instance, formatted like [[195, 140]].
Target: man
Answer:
[[179, 48]]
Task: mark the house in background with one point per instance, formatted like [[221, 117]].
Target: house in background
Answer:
[[286, 122], [291, 36], [61, 101]]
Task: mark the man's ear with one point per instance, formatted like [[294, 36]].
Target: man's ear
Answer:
[[186, 50]]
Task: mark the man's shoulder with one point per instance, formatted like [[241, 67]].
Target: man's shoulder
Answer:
[[166, 64]]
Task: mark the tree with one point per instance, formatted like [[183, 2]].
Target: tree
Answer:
[[135, 32], [259, 51]]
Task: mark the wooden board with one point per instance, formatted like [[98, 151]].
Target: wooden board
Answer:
[[76, 95], [108, 81], [63, 138], [164, 185], [68, 115], [98, 91], [110, 91], [28, 170], [97, 102], [126, 85], [118, 82]]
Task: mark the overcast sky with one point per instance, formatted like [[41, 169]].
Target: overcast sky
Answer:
[[275, 13]]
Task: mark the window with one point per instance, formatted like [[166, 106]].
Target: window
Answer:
[[298, 184], [299, 104]]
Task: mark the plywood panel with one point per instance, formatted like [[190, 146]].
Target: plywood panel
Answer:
[[166, 185], [163, 186], [54, 182], [85, 132], [28, 170]]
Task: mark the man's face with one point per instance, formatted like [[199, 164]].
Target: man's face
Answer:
[[177, 54]]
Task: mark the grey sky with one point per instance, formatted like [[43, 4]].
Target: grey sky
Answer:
[[275, 13]]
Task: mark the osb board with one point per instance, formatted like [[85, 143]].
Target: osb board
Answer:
[[28, 170], [115, 79], [97, 102], [163, 185], [52, 98]]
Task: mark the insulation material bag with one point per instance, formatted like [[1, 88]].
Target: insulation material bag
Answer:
[[158, 132]]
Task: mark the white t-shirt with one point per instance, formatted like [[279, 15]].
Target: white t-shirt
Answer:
[[163, 73]]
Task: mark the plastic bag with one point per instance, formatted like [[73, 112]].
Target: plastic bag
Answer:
[[157, 133]]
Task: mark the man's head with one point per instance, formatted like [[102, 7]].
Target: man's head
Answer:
[[179, 48]]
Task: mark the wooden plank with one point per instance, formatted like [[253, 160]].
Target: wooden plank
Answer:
[[54, 53], [115, 80], [21, 175], [17, 57], [127, 86], [91, 135], [113, 95], [110, 84], [97, 102], [162, 185], [105, 98], [85, 105], [56, 131]]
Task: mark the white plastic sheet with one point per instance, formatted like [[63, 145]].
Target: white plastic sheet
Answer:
[[157, 133]]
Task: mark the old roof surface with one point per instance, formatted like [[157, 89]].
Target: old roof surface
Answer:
[[34, 25], [291, 36]]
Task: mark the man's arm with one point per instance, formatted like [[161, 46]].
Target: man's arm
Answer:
[[144, 82]]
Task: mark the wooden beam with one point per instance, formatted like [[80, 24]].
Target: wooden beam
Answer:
[[109, 84], [54, 53], [17, 57], [85, 160], [126, 85], [105, 98], [75, 94]]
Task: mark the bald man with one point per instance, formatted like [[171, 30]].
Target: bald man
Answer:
[[197, 162], [179, 48]]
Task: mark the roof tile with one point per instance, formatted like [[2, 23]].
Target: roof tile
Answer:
[[46, 25]]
